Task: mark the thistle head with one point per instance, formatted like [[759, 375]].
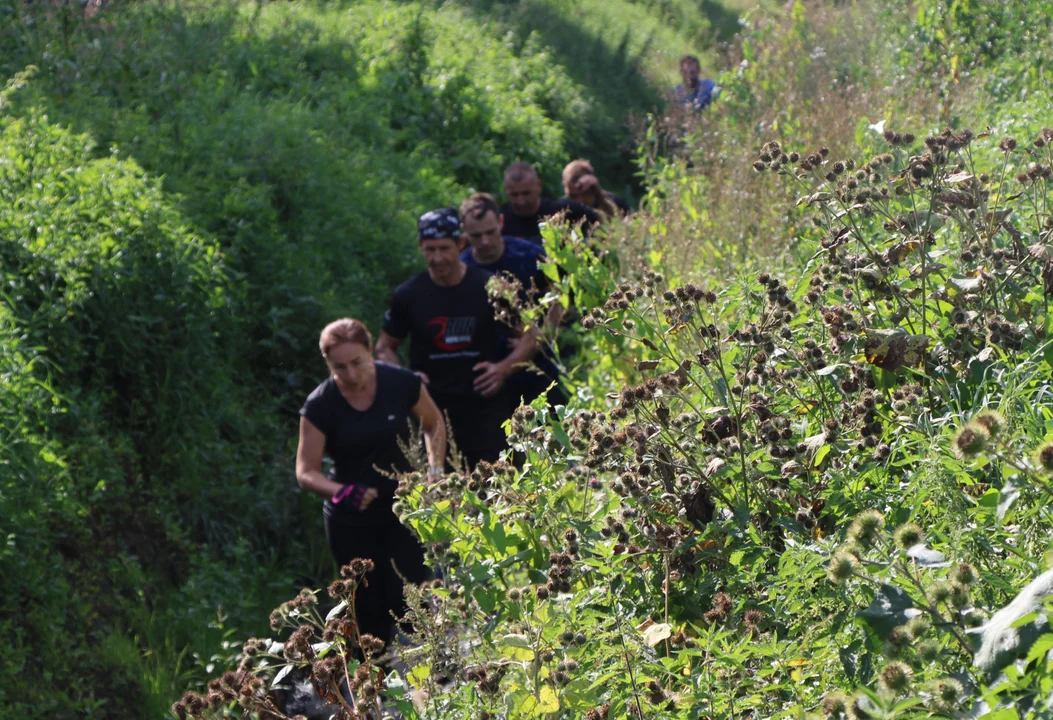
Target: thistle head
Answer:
[[1044, 457], [842, 566], [895, 678], [992, 421], [866, 527], [908, 535], [970, 441]]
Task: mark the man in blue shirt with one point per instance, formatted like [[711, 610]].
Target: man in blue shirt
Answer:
[[696, 92], [488, 249]]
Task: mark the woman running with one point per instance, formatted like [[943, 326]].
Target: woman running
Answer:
[[357, 417]]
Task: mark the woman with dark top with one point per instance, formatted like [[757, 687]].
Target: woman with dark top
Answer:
[[581, 185], [357, 417]]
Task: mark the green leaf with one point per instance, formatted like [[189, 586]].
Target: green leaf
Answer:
[[418, 675], [657, 633], [927, 557], [820, 455], [1041, 648], [517, 647], [549, 703], [340, 607], [889, 609], [281, 675]]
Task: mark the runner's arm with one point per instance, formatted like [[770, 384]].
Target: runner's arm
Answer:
[[434, 427], [309, 454], [387, 348]]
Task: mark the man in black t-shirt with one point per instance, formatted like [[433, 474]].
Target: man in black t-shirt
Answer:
[[526, 209], [446, 314]]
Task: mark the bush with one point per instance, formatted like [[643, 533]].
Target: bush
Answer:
[[817, 482], [190, 193], [128, 415]]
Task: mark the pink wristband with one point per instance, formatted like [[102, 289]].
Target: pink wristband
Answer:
[[355, 492]]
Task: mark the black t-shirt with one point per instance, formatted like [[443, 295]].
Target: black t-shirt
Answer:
[[360, 441], [450, 330], [528, 227], [619, 202]]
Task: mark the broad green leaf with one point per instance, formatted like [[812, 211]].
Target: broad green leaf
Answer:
[[340, 607], [927, 557], [890, 608], [657, 633], [281, 675], [418, 675]]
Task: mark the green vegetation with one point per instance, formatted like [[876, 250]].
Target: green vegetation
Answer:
[[808, 453], [190, 191], [806, 472]]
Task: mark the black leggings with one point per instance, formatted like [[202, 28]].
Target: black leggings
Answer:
[[476, 428], [387, 542]]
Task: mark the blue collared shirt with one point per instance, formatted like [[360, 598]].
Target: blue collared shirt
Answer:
[[700, 97]]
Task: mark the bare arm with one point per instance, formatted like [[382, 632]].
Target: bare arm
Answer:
[[434, 427], [387, 348], [554, 316], [309, 462]]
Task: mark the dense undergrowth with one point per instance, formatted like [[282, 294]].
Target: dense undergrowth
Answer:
[[807, 468], [191, 190], [784, 354]]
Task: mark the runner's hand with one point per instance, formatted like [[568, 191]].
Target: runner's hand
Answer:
[[491, 380], [367, 497], [357, 495]]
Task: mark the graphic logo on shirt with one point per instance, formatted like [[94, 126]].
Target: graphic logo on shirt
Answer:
[[452, 333]]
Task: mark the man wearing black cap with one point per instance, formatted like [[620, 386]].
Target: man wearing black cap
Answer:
[[447, 317]]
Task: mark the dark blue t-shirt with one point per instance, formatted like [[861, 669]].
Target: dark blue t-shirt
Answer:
[[520, 259]]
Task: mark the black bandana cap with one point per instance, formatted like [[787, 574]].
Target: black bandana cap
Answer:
[[441, 223]]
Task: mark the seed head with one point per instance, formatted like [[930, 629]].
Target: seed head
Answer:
[[835, 705], [866, 527], [919, 626], [897, 642], [1044, 457], [842, 566], [970, 441], [928, 651], [908, 535], [944, 694], [964, 574], [514, 594], [992, 420], [861, 708], [895, 678], [940, 593], [959, 596]]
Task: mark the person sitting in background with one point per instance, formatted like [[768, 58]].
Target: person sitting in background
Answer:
[[581, 185], [481, 221], [694, 91], [446, 314], [357, 417], [526, 209]]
